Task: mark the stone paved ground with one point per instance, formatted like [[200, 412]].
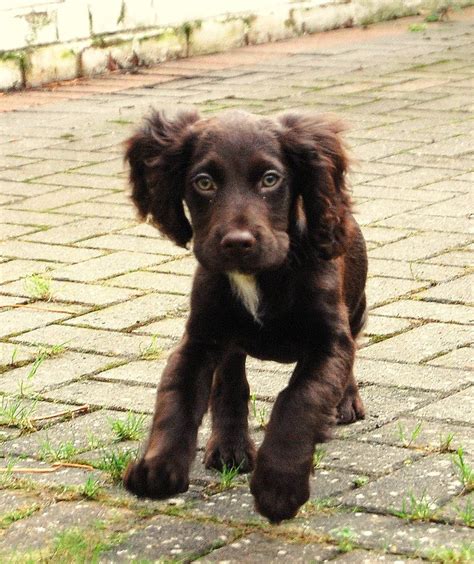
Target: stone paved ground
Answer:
[[389, 488]]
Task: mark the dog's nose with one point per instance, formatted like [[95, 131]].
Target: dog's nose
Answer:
[[238, 241]]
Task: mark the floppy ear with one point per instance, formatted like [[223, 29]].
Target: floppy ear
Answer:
[[158, 154], [319, 162]]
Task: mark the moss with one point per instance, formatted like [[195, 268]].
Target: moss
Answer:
[[21, 58]]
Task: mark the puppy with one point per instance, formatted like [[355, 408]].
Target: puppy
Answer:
[[281, 276]]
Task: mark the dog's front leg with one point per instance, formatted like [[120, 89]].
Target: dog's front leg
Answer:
[[181, 402], [303, 415]]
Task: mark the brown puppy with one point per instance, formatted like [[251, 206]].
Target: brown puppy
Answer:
[[281, 276]]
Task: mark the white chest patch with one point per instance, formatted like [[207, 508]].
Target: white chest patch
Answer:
[[244, 286]]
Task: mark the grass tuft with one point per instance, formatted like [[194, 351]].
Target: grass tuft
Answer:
[[464, 470], [346, 539], [38, 286], [416, 509], [130, 429], [115, 462]]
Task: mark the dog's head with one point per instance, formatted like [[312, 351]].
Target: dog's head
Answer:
[[251, 185]]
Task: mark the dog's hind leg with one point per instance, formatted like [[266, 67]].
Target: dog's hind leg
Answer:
[[351, 407], [230, 443]]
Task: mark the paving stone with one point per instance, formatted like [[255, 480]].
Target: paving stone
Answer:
[[430, 311], [258, 548], [382, 289], [168, 538], [83, 432], [40, 251], [376, 399], [421, 343], [40, 413], [172, 327], [77, 230], [455, 207], [185, 266], [383, 235], [20, 320], [418, 247], [365, 459], [157, 281], [378, 325], [37, 170], [66, 291], [85, 180], [459, 358], [417, 432], [56, 199], [235, 504], [428, 223], [433, 478], [377, 188], [8, 231], [57, 477], [132, 312], [97, 209], [459, 510], [413, 270], [11, 354], [40, 529], [139, 371], [52, 371], [105, 394], [389, 534], [376, 209], [129, 243], [461, 258], [23, 189], [11, 501], [91, 340], [367, 557], [458, 290], [40, 219], [421, 377], [457, 407], [107, 266]]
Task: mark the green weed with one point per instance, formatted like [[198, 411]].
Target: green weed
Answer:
[[115, 462], [416, 509], [360, 481], [91, 488], [408, 439], [345, 537], [466, 513], [318, 456], [38, 286], [464, 470], [130, 429], [462, 555], [152, 351], [417, 27], [227, 476], [65, 451], [259, 413], [16, 412]]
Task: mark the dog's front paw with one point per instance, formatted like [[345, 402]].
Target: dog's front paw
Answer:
[[155, 478], [230, 452], [279, 495]]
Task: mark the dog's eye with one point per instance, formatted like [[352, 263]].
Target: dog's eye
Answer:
[[204, 183], [270, 179]]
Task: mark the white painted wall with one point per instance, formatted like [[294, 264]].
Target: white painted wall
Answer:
[[26, 23]]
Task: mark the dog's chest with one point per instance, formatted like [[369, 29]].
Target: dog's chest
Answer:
[[245, 288]]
